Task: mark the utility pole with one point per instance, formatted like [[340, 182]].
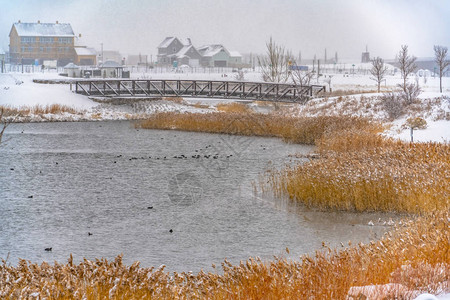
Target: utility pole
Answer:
[[102, 54], [314, 62], [318, 70], [325, 61]]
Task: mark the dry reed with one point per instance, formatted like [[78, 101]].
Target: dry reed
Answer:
[[233, 107], [414, 256], [40, 110], [291, 129]]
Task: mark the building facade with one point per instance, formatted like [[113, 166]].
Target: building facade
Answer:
[[31, 43]]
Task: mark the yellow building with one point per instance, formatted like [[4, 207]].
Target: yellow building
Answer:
[[31, 42]]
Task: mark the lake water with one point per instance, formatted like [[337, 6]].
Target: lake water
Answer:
[[128, 188]]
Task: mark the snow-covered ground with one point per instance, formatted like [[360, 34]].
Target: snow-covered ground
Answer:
[[18, 90]]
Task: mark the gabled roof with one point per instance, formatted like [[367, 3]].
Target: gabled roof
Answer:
[[167, 41], [44, 29], [71, 66], [211, 50], [110, 64], [185, 50]]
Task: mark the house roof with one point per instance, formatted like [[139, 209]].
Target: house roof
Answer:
[[71, 66], [44, 29], [110, 64], [211, 50], [185, 50], [85, 51], [167, 41]]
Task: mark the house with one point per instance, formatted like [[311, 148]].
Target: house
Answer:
[[167, 50], [173, 52], [214, 55], [235, 60], [85, 56], [72, 70], [110, 55], [111, 69], [31, 43], [188, 55]]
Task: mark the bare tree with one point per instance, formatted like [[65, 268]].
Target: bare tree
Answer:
[[275, 65], [301, 78], [441, 60], [407, 64], [378, 71]]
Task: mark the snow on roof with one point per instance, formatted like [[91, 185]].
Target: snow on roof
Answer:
[[85, 51], [184, 50], [235, 54], [71, 66], [44, 29], [110, 64], [166, 42], [211, 50]]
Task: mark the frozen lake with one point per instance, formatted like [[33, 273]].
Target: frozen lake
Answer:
[[129, 188]]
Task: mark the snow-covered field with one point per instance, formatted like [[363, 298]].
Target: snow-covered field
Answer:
[[18, 90]]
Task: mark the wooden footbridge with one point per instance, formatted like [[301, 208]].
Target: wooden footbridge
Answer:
[[264, 91]]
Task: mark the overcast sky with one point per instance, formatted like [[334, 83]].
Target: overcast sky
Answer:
[[343, 26]]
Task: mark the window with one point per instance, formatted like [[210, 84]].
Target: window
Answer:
[[30, 49], [46, 40], [41, 49], [27, 39], [63, 40], [22, 49]]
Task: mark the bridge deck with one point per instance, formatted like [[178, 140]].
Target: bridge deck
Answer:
[[197, 88]]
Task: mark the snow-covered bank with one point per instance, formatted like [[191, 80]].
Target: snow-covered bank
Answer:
[[18, 90]]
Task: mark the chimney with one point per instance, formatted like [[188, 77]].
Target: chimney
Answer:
[[39, 22], [19, 21], [79, 35], [57, 22], [189, 41]]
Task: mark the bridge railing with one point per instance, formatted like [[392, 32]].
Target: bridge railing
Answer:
[[197, 88]]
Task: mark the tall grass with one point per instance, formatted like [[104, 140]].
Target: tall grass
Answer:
[[291, 129], [366, 172], [233, 107], [415, 256], [40, 109]]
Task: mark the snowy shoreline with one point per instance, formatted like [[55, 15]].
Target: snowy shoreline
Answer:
[[28, 90]]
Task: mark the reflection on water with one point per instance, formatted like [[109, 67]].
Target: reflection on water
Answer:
[[130, 188]]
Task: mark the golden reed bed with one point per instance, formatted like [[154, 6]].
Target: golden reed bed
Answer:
[[414, 255]]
